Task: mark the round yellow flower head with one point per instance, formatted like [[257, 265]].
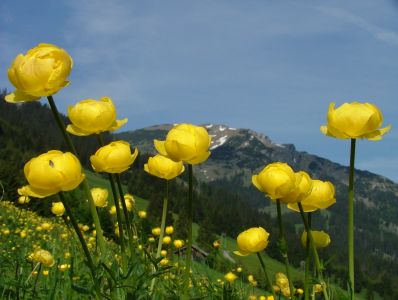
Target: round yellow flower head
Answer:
[[321, 239], [156, 231], [23, 200], [216, 244], [239, 269], [46, 226], [112, 210], [163, 167], [57, 208], [166, 240], [251, 241], [178, 244], [142, 214], [50, 173], [163, 253], [92, 116], [100, 196], [250, 278], [230, 277], [164, 262], [300, 291], [281, 280], [45, 272], [303, 187], [321, 197], [355, 121], [44, 257], [277, 180], [151, 239], [185, 142], [130, 202], [42, 71], [115, 157], [169, 229]]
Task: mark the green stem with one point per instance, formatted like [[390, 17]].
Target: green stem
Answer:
[[117, 207], [126, 213], [189, 245], [266, 275], [93, 211], [119, 220], [162, 226], [314, 251], [283, 247], [307, 263], [36, 280], [351, 221], [82, 241]]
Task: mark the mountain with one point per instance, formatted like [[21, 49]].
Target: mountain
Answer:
[[237, 154]]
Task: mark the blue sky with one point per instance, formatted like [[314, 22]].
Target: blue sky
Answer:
[[272, 66]]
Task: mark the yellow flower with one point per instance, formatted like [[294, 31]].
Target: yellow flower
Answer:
[[142, 214], [321, 197], [156, 231], [57, 208], [303, 187], [277, 180], [239, 269], [44, 257], [130, 202], [230, 277], [42, 71], [112, 211], [355, 121], [50, 173], [185, 142], [178, 244], [163, 253], [166, 240], [46, 226], [163, 167], [115, 157], [164, 262], [216, 244], [281, 281], [92, 116], [321, 239], [300, 291], [45, 272], [169, 229], [151, 239], [23, 199], [317, 288], [250, 278], [251, 241], [100, 196]]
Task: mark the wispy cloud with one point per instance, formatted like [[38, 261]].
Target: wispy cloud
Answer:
[[378, 32]]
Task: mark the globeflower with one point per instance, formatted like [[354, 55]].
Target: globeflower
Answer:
[[57, 208], [277, 180], [185, 142], [163, 167], [355, 121], [50, 173], [230, 277], [321, 197], [321, 238], [100, 196], [42, 71], [251, 241], [115, 157], [303, 187], [178, 244], [92, 116], [44, 257]]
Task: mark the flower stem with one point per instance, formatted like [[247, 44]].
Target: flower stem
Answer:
[[307, 263], [93, 211], [126, 212], [283, 247], [314, 251], [162, 226], [189, 245], [351, 222], [82, 241], [266, 275]]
